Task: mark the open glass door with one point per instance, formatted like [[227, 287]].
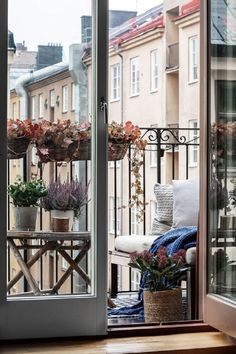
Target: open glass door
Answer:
[[53, 164], [220, 293]]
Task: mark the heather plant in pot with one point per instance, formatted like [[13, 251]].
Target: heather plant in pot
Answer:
[[25, 196], [65, 199], [161, 274]]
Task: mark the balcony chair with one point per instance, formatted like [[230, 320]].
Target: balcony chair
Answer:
[[177, 207]]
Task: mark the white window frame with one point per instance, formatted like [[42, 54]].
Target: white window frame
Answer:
[[135, 280], [64, 263], [193, 150], [193, 59], [72, 96], [111, 164], [14, 110], [40, 101], [64, 98], [52, 98], [134, 221], [112, 215], [153, 155], [115, 82], [154, 70], [134, 76], [33, 107]]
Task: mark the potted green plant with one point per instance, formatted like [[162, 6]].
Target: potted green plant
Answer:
[[65, 199], [160, 273], [19, 134], [25, 198]]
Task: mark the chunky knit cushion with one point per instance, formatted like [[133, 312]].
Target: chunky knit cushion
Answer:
[[164, 213]]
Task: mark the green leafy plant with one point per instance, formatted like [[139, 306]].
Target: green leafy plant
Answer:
[[25, 194], [159, 271]]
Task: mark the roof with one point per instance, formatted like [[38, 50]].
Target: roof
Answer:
[[24, 59], [149, 20], [189, 9]]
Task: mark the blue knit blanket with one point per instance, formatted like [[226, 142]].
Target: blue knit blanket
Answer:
[[173, 240]]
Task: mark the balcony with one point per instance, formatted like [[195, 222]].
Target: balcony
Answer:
[[168, 155], [172, 62]]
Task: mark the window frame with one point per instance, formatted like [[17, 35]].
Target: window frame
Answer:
[[40, 105], [115, 78], [112, 215], [154, 70], [135, 76], [33, 107], [194, 148], [64, 98], [193, 61], [52, 98]]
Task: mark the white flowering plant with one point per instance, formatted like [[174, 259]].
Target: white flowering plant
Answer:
[[25, 194]]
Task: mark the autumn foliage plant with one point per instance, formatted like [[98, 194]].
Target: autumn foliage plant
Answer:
[[19, 135], [56, 141], [160, 271]]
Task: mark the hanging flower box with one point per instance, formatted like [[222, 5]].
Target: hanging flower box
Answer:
[[19, 135], [116, 150], [119, 139], [57, 141]]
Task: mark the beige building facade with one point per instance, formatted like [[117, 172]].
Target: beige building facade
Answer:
[[153, 82]]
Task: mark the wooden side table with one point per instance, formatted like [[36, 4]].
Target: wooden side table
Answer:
[[51, 241]]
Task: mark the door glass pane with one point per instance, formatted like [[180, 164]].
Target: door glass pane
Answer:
[[222, 176], [49, 143], [148, 88]]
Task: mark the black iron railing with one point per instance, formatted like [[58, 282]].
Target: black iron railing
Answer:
[[175, 153], [169, 154]]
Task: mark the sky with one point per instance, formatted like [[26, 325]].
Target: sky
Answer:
[[58, 21]]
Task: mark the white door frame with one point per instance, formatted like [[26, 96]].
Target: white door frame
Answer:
[[61, 316]]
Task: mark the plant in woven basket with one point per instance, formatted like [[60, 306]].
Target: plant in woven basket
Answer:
[[160, 271], [19, 134], [56, 141], [67, 195]]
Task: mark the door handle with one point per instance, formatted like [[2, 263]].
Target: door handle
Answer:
[[103, 108]]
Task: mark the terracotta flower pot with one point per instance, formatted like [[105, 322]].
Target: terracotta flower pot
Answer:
[[163, 306], [63, 214]]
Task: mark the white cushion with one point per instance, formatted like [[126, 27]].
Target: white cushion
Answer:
[[134, 243], [191, 256], [186, 202], [164, 212]]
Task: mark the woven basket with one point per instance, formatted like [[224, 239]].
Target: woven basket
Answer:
[[57, 153], [163, 306], [116, 151], [16, 148], [84, 151]]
